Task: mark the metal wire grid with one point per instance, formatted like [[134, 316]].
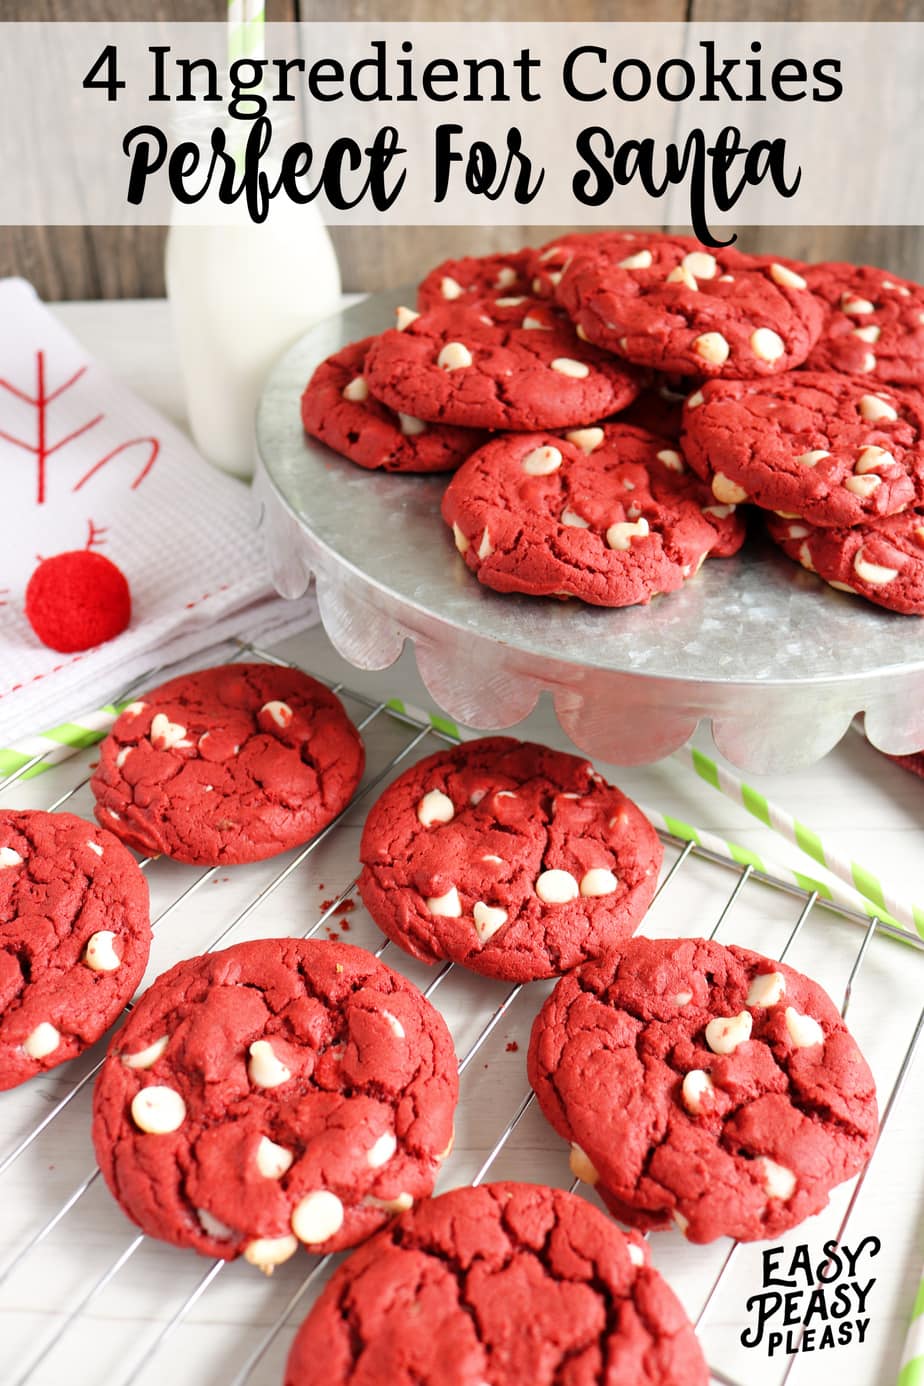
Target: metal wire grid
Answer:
[[419, 732]]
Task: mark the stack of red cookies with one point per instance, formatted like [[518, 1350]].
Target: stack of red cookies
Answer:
[[552, 378]]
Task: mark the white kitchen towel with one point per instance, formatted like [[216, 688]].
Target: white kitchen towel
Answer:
[[84, 462]]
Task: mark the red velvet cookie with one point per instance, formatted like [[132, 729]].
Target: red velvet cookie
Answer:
[[227, 765], [338, 409], [459, 366], [882, 560], [512, 859], [826, 447], [703, 1084], [547, 263], [874, 323], [74, 938], [609, 514], [474, 278], [502, 1285], [676, 306], [278, 1092]]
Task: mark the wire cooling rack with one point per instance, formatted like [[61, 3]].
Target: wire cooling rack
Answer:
[[86, 1299]]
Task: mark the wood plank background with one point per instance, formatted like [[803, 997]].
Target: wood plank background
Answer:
[[126, 262]]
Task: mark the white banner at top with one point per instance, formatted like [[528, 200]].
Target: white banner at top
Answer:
[[705, 125]]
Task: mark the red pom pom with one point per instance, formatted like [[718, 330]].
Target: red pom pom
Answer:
[[77, 600]]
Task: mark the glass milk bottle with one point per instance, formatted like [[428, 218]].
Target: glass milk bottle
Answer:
[[240, 294]]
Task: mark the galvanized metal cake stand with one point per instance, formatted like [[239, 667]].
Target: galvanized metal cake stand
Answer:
[[779, 662]]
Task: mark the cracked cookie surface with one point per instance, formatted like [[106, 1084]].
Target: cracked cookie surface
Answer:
[[882, 560], [675, 306], [828, 448], [475, 279], [608, 514], [227, 765], [512, 859], [338, 409], [278, 1092], [501, 1285], [460, 366], [74, 938], [873, 326], [703, 1083]]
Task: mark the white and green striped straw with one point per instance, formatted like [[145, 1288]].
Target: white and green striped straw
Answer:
[[912, 1368], [887, 905]]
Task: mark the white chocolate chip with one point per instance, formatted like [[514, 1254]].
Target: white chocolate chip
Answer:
[[509, 302], [856, 306], [448, 905], [841, 586], [805, 558], [582, 1167], [213, 1227], [404, 317], [455, 356], [505, 277], [123, 756], [620, 536], [863, 485], [696, 399], [869, 334], [536, 323], [726, 279], [871, 459], [566, 365], [505, 794], [804, 1030], [498, 861], [449, 287], [357, 391], [642, 259], [541, 461], [725, 1033], [95, 847], [712, 347], [598, 881], [316, 1217], [681, 275], [263, 1069], [683, 998], [100, 956], [43, 1041], [811, 459], [779, 1181], [869, 362], [268, 1252], [411, 427], [700, 264], [394, 1024], [133, 709], [147, 1058], [401, 1203], [488, 919], [696, 1091], [919, 534], [461, 541], [680, 1221], [382, 1151], [672, 460], [636, 1254], [727, 491], [572, 518], [579, 332], [873, 573], [164, 733], [767, 344], [766, 989], [557, 887], [873, 409], [787, 278], [721, 512], [273, 1160], [586, 438], [158, 1110], [277, 712], [435, 807], [8, 857]]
